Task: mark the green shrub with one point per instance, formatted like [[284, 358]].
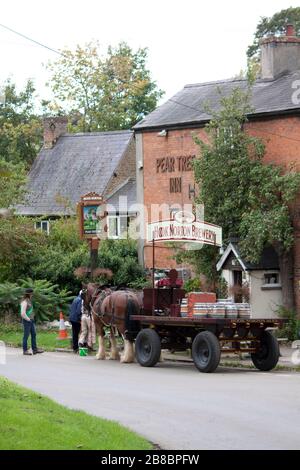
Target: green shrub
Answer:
[[48, 300], [64, 232], [57, 265], [222, 289], [121, 257], [140, 283], [25, 252], [291, 328], [20, 244], [192, 285]]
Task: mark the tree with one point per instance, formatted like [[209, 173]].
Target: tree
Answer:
[[12, 183], [20, 128], [248, 198], [102, 93], [274, 26], [19, 239]]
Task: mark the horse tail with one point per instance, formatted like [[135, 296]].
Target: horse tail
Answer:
[[131, 326]]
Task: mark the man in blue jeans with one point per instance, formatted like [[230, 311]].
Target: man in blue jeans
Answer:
[[28, 323], [75, 320]]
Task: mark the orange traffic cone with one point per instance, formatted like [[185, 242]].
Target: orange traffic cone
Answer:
[[63, 334]]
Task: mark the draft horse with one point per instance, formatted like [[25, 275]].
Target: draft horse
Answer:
[[113, 309]]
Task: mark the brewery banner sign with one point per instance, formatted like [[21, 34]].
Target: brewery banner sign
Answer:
[[185, 229]]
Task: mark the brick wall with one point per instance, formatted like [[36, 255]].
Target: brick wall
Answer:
[[282, 140], [176, 144]]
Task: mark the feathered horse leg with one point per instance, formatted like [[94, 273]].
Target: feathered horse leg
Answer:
[[114, 353], [128, 355], [101, 351]]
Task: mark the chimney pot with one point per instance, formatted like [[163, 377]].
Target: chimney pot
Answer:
[[290, 30]]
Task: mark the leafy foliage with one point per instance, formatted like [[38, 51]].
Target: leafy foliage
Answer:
[[274, 26], [102, 93], [245, 196], [64, 252], [20, 244], [18, 238], [12, 183], [20, 128], [10, 294], [121, 257], [192, 285], [48, 300], [61, 254], [291, 329]]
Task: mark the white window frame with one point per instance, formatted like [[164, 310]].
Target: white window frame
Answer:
[[270, 286], [118, 218], [40, 228]]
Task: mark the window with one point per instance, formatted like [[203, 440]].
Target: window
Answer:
[[271, 278], [118, 226], [43, 226], [271, 281]]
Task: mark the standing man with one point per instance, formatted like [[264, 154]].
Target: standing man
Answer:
[[88, 331], [75, 320], [28, 323]]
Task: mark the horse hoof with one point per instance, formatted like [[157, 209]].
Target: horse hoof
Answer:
[[124, 360], [114, 358], [100, 357]]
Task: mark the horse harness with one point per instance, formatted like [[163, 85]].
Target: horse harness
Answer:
[[99, 297]]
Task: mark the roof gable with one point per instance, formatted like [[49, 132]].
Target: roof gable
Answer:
[[268, 259], [76, 165]]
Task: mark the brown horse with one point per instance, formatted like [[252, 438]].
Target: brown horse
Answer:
[[113, 309]]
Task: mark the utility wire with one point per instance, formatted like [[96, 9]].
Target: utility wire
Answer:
[[123, 81], [30, 39]]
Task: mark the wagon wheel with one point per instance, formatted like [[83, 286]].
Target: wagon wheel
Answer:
[[267, 356], [147, 347], [206, 351]]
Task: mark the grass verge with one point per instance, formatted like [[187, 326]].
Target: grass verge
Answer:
[[12, 335], [32, 421]]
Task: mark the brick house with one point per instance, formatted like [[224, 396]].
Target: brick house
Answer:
[[165, 145], [71, 165]]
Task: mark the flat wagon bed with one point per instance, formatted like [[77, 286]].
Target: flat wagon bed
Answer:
[[207, 338], [193, 321]]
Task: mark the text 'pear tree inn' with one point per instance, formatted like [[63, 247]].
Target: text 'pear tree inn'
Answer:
[[250, 199]]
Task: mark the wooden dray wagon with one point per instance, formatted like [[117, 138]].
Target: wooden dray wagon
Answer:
[[163, 327]]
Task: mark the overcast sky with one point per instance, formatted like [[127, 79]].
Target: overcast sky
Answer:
[[189, 41]]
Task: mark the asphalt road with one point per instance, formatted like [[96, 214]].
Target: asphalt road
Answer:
[[171, 404]]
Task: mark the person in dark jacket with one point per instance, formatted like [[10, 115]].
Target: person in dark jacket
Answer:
[[75, 320]]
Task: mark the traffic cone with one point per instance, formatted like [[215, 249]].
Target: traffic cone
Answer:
[[63, 334]]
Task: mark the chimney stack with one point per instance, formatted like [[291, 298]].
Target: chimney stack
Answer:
[[290, 30], [53, 128], [280, 55]]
